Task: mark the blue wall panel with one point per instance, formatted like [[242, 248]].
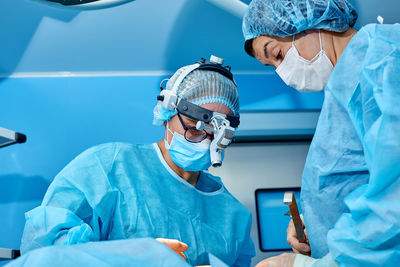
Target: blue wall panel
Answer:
[[66, 115], [62, 117], [267, 92]]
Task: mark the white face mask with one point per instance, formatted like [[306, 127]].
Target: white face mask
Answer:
[[305, 75]]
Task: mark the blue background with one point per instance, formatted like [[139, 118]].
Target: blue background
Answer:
[[71, 79]]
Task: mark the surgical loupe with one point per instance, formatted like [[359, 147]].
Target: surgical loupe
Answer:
[[222, 125]]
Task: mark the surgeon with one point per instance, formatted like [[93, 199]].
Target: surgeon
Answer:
[[351, 181], [161, 190]]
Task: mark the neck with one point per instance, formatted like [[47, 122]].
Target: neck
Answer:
[[340, 41], [190, 177]]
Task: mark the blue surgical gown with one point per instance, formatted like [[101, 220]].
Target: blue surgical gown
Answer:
[[121, 191], [128, 252], [351, 182]]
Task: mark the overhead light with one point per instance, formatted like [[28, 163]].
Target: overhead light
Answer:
[[82, 4]]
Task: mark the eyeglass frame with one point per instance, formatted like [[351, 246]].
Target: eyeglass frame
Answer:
[[186, 128]]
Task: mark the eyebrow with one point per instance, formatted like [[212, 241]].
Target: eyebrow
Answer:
[[265, 49], [188, 120]]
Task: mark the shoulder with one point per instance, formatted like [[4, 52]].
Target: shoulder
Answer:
[[369, 46], [112, 149], [102, 157], [387, 30], [372, 34], [380, 44]]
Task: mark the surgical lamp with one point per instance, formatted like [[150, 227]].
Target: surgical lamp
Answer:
[[83, 4]]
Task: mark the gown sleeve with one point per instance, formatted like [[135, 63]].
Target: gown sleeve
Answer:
[[247, 250], [77, 206]]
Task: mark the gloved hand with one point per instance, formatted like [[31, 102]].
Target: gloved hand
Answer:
[[297, 247], [176, 245], [283, 260]]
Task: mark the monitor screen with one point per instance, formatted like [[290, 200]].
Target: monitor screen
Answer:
[[272, 222]]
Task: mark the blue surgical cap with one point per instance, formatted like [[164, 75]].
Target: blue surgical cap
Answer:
[[200, 87], [289, 17]]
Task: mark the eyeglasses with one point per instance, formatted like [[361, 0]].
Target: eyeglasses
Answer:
[[192, 134]]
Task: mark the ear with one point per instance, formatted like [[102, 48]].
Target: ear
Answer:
[[165, 123]]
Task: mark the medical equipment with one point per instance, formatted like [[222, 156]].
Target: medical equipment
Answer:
[[198, 87], [222, 125], [290, 201], [271, 224], [82, 4], [9, 254], [8, 137]]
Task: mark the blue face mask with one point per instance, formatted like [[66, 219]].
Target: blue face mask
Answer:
[[189, 156]]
